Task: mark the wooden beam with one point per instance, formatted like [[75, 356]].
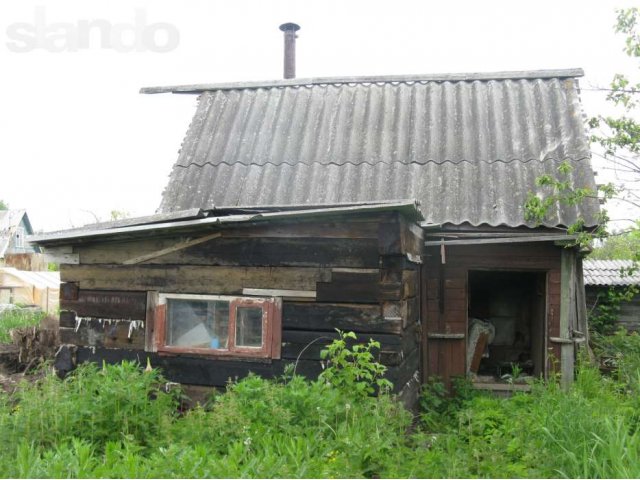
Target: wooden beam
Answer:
[[192, 279], [174, 248], [149, 324], [446, 336], [61, 255], [481, 344], [567, 315], [272, 292], [480, 241]]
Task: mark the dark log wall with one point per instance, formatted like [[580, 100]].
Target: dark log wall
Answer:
[[364, 273], [445, 304]]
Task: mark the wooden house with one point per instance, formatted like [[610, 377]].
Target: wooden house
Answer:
[[15, 249], [389, 206]]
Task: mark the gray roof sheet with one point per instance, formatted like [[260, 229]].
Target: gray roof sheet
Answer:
[[467, 148], [610, 272]]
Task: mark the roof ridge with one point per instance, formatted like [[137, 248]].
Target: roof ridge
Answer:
[[371, 79]]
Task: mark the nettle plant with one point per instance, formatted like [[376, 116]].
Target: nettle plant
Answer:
[[354, 369]]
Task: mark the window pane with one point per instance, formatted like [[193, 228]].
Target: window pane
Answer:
[[197, 323], [249, 327]]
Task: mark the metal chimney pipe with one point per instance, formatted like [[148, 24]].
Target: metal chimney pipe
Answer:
[[290, 30]]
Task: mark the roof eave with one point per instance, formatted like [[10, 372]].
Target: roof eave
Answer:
[[409, 208]]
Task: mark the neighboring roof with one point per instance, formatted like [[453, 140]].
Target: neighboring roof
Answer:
[[610, 272], [9, 222], [37, 279], [468, 147], [188, 221]]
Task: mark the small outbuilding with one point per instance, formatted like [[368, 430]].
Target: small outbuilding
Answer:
[[39, 289], [604, 276], [390, 206]]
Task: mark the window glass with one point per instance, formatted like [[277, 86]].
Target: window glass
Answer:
[[198, 323], [249, 326]]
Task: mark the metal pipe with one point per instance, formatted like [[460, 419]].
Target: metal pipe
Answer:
[[290, 36]]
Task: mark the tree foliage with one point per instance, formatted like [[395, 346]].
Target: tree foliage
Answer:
[[620, 246], [4, 205], [619, 136]]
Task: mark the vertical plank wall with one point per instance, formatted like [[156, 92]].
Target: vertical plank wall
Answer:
[[445, 304]]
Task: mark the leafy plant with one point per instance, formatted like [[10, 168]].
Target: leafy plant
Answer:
[[94, 404], [354, 369], [604, 316]]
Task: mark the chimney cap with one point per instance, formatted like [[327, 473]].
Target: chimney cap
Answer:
[[285, 27]]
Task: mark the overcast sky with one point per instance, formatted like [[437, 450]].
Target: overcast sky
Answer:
[[78, 140]]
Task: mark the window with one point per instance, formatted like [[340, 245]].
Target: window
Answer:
[[19, 238], [218, 325]]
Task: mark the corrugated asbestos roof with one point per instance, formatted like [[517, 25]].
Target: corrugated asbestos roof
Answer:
[[468, 148], [610, 272]]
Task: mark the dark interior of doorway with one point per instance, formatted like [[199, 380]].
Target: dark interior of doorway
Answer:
[[513, 303]]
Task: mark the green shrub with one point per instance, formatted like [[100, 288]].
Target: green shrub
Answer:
[[95, 404]]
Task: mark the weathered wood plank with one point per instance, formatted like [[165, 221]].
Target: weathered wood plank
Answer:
[[108, 304], [389, 239], [411, 238], [350, 287], [189, 279], [360, 318], [481, 344], [249, 251], [567, 319], [308, 295], [308, 345], [410, 283], [61, 255], [150, 323], [170, 249]]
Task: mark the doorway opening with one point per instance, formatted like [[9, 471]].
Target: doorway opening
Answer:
[[506, 326]]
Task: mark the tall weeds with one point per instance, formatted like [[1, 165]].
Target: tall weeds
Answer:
[[118, 421], [17, 318]]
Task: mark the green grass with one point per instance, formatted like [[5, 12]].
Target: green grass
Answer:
[[118, 421], [17, 318]]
